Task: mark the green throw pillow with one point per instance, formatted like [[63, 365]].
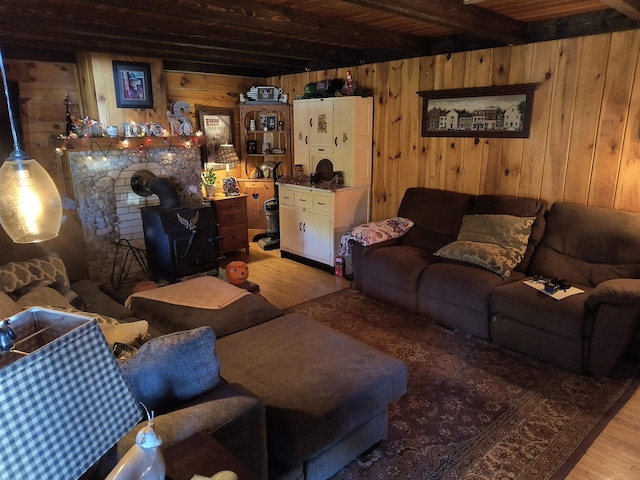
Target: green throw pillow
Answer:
[[495, 242]]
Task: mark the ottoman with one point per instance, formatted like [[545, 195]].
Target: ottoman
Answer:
[[326, 394]]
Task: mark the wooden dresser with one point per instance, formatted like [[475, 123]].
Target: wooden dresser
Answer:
[[231, 214]]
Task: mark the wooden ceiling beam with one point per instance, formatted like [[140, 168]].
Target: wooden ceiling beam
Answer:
[[121, 26], [12, 35], [257, 20], [630, 8], [455, 15]]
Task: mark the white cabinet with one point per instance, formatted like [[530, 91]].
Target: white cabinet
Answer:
[[313, 220], [339, 129]]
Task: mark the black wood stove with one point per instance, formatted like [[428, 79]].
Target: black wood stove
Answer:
[[180, 240]]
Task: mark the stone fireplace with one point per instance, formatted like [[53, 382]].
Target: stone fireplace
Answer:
[[107, 207]]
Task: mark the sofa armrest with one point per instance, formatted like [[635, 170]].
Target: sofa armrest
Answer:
[[613, 312], [358, 252], [618, 291], [231, 413]]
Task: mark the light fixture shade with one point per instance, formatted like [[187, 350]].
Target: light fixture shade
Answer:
[[65, 403], [222, 156], [31, 209]]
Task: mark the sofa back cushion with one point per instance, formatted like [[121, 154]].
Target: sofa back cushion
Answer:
[[588, 245], [437, 216], [173, 368], [518, 207]]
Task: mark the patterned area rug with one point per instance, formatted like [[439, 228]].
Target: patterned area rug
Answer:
[[473, 410]]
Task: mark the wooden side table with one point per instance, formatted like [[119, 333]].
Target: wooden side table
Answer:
[[201, 454]]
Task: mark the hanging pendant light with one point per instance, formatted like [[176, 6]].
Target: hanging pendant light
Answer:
[[30, 206]]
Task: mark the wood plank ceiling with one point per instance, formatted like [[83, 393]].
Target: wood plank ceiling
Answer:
[[274, 37]]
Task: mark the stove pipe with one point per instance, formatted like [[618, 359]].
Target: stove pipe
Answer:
[[145, 183]]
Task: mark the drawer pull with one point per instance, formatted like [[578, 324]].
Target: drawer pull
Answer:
[[321, 203], [303, 199]]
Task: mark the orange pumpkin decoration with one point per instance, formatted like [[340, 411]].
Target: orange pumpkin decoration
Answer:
[[237, 272]]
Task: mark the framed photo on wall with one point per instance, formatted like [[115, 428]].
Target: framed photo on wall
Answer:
[[216, 125], [501, 111], [132, 82]]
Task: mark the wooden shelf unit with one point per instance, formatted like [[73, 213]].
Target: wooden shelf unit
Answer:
[[277, 119]]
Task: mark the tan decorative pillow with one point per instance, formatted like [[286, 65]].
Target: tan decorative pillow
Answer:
[[130, 333], [43, 297], [495, 242], [8, 307], [15, 275]]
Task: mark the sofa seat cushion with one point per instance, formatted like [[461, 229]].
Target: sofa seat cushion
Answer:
[[526, 305], [317, 384], [392, 274], [458, 294], [460, 283]]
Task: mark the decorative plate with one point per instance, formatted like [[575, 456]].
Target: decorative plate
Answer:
[[324, 170]]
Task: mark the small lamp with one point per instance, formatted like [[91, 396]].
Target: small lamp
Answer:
[[63, 402], [30, 209]]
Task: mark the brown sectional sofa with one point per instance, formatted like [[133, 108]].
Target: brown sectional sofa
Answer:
[[598, 250], [295, 400]]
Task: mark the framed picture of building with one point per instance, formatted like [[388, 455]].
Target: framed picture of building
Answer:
[[132, 84], [503, 111]]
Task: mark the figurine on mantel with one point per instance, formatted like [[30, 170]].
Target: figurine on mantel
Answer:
[[180, 123]]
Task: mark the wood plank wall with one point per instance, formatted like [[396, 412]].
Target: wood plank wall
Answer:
[[584, 145], [208, 90], [42, 88]]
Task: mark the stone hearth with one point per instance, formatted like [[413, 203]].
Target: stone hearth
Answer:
[[107, 207]]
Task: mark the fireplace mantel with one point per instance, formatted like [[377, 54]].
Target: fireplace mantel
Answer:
[[109, 144]]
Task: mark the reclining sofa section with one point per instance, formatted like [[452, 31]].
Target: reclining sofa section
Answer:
[[598, 250], [405, 273]]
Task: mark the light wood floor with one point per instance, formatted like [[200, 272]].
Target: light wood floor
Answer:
[[615, 454]]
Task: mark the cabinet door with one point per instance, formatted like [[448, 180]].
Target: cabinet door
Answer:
[[291, 230], [318, 237], [301, 125], [321, 122], [344, 114], [354, 141], [257, 193]]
